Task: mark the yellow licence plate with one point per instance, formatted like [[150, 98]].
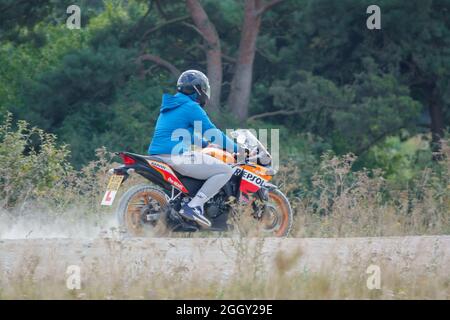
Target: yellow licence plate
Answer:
[[113, 186]]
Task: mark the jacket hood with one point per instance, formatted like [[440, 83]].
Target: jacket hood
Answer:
[[170, 102]]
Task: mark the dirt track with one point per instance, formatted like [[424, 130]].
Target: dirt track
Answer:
[[217, 257]]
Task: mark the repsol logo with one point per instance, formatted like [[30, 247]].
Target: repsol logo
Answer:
[[157, 164], [250, 177], [176, 183]]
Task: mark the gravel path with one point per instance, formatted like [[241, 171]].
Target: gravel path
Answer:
[[219, 257]]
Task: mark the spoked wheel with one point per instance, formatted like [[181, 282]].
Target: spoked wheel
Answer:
[[275, 220], [141, 211], [277, 217]]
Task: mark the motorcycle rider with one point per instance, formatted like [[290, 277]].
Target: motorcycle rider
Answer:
[[184, 110]]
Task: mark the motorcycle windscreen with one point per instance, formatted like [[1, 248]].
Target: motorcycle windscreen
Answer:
[[246, 139]]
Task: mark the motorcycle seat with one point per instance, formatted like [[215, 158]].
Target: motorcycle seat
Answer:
[[145, 157], [192, 184]]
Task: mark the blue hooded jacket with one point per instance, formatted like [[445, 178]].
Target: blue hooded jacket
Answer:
[[181, 111]]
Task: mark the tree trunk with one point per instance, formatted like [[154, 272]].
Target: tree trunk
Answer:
[[437, 124], [241, 84], [213, 51]]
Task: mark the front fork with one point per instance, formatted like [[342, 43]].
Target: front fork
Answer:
[[259, 204]]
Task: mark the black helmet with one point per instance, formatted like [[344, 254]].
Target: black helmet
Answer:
[[192, 81]]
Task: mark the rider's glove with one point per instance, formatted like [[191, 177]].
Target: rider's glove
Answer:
[[242, 154]]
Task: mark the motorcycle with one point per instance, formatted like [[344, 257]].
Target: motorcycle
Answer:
[[152, 209]]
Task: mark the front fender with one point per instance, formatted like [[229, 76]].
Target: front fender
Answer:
[[269, 186], [263, 192]]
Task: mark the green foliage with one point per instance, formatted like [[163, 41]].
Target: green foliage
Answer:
[[38, 176], [348, 203], [90, 95], [28, 171], [346, 88], [21, 17], [351, 118], [369, 115], [126, 124], [25, 62], [400, 160]]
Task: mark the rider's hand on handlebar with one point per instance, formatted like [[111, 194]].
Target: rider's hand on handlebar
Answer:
[[245, 153], [253, 153]]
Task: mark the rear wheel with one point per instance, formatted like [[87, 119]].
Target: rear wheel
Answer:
[[141, 212]]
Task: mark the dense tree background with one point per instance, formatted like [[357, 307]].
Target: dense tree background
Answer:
[[309, 67]]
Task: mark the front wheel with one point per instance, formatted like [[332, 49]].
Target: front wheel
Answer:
[[277, 218], [141, 212], [273, 218]]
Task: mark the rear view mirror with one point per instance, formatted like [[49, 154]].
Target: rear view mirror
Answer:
[[241, 138]]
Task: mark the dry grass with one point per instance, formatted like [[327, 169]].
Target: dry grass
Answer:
[[252, 276], [40, 183], [343, 203], [42, 188]]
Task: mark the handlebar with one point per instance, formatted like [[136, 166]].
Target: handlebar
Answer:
[[246, 161]]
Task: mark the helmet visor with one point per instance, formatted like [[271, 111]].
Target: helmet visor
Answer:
[[208, 90]]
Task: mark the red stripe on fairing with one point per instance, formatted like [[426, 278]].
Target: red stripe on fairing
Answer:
[[169, 176], [250, 182], [247, 186]]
